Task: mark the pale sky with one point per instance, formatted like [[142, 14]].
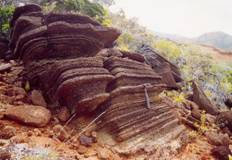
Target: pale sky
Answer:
[[183, 17]]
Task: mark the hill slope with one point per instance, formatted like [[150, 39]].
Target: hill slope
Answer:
[[217, 39]]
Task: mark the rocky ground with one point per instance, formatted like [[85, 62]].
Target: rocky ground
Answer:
[[34, 132]]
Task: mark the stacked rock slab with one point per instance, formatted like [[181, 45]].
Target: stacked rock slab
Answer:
[[58, 51], [128, 72], [37, 36], [135, 113], [77, 83]]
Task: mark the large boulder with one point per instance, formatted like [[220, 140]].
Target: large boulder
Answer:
[[30, 115], [202, 101]]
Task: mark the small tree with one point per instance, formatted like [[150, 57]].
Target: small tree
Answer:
[[6, 11]]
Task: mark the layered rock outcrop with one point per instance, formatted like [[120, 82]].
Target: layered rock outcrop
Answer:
[[162, 66], [77, 83], [38, 36], [62, 59]]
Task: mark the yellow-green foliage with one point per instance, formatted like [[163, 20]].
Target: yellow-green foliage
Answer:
[[202, 127], [5, 15], [27, 86], [230, 157], [124, 40], [175, 96], [169, 48]]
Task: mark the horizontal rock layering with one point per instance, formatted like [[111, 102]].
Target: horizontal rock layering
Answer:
[[62, 59], [77, 83], [37, 36]]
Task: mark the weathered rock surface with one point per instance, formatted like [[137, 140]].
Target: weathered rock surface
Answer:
[[7, 132], [3, 47], [159, 63], [218, 139], [134, 118], [224, 120], [76, 83], [19, 11], [37, 36], [30, 115], [228, 101], [221, 152], [202, 101], [130, 73], [5, 155]]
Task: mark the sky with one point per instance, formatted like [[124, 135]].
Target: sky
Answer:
[[189, 18]]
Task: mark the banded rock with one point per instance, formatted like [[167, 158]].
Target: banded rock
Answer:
[[137, 126], [77, 83], [37, 36], [130, 73], [161, 65]]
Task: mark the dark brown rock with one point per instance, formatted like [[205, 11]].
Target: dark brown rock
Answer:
[[19, 11], [218, 139], [70, 18], [228, 101], [130, 73], [76, 83], [202, 101], [5, 155], [221, 152], [30, 115], [7, 132], [3, 47], [77, 37], [224, 119], [134, 56]]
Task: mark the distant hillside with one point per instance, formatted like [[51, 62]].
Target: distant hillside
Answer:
[[217, 39], [174, 37]]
